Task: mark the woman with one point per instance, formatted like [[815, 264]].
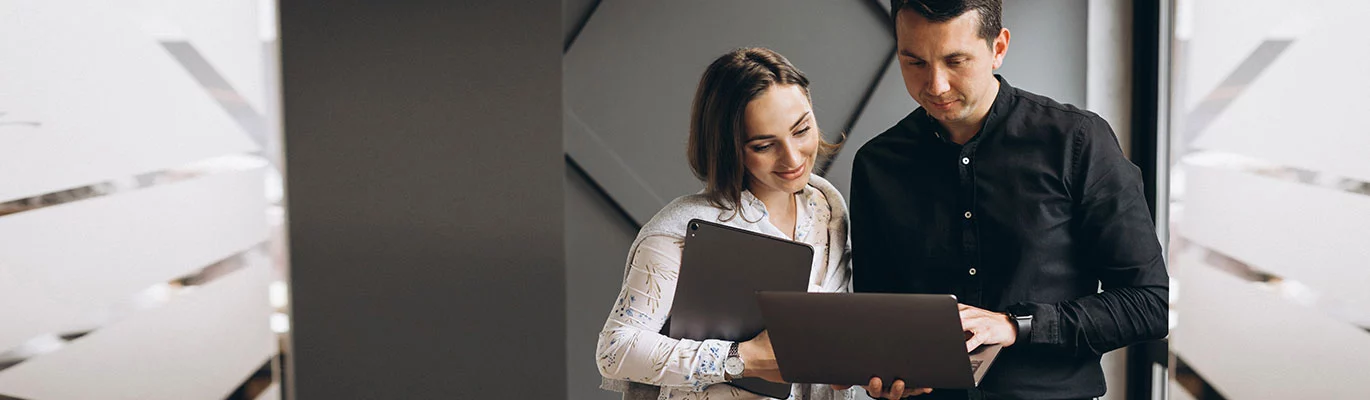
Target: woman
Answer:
[[753, 142]]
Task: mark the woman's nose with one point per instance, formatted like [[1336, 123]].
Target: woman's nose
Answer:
[[794, 156]]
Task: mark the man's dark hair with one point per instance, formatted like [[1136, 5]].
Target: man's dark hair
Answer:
[[991, 13]]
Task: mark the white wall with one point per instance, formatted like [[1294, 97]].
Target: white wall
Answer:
[[1270, 200], [133, 204]]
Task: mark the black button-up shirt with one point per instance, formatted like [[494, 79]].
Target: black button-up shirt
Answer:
[[1031, 216]]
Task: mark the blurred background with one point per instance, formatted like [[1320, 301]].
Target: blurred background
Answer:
[[464, 180]]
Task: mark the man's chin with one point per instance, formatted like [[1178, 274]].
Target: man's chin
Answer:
[[948, 117]]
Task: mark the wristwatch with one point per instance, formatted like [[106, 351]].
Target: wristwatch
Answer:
[[1024, 323], [733, 364]]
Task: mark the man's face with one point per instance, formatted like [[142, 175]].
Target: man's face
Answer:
[[948, 68]]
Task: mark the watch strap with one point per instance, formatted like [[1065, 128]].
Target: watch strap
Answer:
[[1024, 324]]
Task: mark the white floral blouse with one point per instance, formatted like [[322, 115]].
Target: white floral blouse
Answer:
[[630, 347]]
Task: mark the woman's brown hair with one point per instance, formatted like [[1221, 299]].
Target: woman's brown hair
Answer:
[[717, 130]]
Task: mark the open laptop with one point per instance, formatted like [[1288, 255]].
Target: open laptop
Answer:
[[918, 338], [721, 269]]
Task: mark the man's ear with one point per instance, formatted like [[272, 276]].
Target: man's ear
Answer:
[[1001, 47]]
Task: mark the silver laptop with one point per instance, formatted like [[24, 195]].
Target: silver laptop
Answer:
[[919, 339]]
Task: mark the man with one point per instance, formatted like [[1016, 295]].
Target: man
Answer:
[[1018, 205]]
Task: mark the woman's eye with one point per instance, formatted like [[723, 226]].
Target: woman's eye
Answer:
[[802, 131], [761, 148]]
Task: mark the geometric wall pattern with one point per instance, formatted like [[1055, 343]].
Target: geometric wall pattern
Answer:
[[630, 77], [133, 201], [1270, 201], [630, 69]]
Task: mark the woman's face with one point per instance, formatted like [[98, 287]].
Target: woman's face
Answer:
[[781, 140]]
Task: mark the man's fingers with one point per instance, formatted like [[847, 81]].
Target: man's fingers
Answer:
[[840, 387], [896, 390], [876, 388], [976, 341]]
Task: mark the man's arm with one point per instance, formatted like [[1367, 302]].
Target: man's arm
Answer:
[[859, 232], [1115, 229]]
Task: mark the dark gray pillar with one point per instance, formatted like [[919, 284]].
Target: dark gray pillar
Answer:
[[424, 171]]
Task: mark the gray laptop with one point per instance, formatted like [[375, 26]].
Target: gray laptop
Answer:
[[721, 269], [919, 339]]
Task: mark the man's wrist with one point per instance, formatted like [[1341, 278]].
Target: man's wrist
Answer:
[[1022, 326], [751, 359]]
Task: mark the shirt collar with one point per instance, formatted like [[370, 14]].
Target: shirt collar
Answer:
[[920, 121], [753, 209], [753, 206]]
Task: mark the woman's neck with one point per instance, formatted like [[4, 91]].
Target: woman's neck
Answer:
[[779, 204]]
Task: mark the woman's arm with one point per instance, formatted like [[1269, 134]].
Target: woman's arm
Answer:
[[630, 347]]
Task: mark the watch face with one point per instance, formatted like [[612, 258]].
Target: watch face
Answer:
[[733, 366]]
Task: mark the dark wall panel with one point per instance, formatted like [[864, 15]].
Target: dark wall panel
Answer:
[[425, 170], [597, 240]]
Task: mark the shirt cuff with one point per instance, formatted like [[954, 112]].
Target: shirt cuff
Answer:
[[708, 368], [1046, 322]]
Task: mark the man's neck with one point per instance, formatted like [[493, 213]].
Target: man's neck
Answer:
[[960, 133]]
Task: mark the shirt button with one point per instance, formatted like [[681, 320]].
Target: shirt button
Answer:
[[967, 214], [972, 271], [965, 160]]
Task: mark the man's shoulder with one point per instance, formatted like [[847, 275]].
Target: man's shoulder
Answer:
[[1055, 116], [902, 133]]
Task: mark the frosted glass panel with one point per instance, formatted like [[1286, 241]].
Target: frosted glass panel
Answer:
[[68, 262], [201, 346]]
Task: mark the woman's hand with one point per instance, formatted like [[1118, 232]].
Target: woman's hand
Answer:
[[758, 359]]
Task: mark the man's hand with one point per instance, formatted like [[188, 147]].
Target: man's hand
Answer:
[[759, 359], [987, 327], [876, 390]]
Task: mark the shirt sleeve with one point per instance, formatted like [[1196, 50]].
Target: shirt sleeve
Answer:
[[1120, 245], [630, 345]]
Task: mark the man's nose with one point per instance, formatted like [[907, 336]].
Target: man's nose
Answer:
[[939, 84]]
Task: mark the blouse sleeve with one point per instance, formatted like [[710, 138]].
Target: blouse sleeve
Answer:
[[630, 345]]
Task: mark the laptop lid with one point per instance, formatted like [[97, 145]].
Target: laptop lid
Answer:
[[914, 337]]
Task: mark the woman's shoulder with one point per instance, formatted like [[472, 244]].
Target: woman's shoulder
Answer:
[[826, 191], [671, 219]]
